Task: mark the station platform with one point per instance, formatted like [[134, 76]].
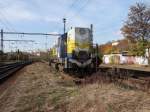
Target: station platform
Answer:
[[128, 67]]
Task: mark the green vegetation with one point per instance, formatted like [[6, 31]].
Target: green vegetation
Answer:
[[139, 48], [137, 29]]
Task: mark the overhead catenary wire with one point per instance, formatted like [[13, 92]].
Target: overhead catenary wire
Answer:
[[65, 14], [81, 8], [73, 4], [79, 5], [23, 33], [5, 25], [20, 40], [8, 23]]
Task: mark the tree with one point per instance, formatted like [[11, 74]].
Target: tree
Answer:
[[138, 48], [137, 26]]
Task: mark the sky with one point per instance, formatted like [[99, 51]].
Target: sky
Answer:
[[45, 16]]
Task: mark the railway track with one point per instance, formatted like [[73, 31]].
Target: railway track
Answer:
[[127, 77], [134, 78], [8, 69]]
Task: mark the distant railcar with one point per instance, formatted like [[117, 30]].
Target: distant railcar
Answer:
[[75, 50]]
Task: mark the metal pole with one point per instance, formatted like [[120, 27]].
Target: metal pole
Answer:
[[2, 41], [64, 20], [91, 27], [96, 56], [1, 50]]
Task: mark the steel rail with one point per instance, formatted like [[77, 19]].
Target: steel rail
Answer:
[[8, 69]]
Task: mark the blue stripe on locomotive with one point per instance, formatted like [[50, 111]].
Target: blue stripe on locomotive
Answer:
[[62, 46]]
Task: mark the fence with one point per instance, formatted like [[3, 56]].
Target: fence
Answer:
[[120, 59]]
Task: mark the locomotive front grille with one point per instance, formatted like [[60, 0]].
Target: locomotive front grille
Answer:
[[83, 56]]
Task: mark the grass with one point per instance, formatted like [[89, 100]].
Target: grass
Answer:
[[42, 95], [109, 108], [45, 91]]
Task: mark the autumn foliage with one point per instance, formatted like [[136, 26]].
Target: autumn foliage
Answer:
[[123, 45]]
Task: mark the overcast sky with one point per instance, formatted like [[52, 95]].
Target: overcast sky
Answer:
[[107, 17]]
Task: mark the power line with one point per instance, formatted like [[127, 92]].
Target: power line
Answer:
[[71, 7], [81, 8], [73, 4], [7, 22], [2, 33], [32, 33], [20, 40], [5, 19], [5, 25], [77, 4]]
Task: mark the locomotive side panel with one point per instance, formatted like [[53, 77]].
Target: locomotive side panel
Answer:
[[62, 46], [70, 42]]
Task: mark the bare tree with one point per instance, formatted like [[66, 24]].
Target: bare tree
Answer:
[[137, 26]]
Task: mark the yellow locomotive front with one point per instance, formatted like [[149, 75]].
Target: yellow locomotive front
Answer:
[[79, 47], [79, 39], [75, 50]]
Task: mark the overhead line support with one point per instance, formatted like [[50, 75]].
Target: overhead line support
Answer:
[[2, 36]]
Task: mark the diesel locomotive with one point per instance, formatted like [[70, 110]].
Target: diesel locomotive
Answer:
[[75, 50]]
